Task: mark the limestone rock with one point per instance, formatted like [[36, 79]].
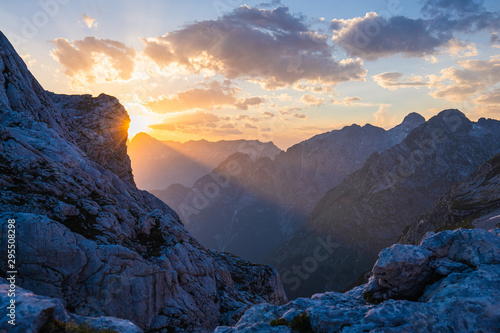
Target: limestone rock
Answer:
[[32, 312], [87, 235], [456, 275]]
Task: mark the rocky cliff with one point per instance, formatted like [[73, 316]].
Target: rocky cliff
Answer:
[[87, 235], [473, 203], [99, 127], [245, 199], [371, 207], [449, 283]]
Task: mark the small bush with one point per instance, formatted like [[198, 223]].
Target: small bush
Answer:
[[279, 322], [55, 326], [300, 323]]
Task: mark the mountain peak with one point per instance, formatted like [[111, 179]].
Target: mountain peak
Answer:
[[413, 118], [21, 96], [410, 122]]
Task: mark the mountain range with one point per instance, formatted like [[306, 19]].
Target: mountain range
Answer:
[[160, 164], [372, 206], [244, 199]]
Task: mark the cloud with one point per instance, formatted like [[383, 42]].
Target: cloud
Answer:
[[267, 115], [245, 117], [299, 116], [243, 104], [395, 80], [214, 94], [249, 126], [495, 40], [473, 77], [431, 60], [382, 117], [373, 36], [311, 100], [446, 7], [351, 100], [287, 110], [460, 48], [82, 58], [28, 60], [89, 21], [270, 47], [492, 97], [188, 122]]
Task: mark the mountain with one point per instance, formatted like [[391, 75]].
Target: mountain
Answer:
[[449, 283], [371, 207], [159, 164], [87, 236], [472, 203], [244, 200]]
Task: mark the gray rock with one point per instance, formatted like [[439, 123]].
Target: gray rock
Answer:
[[32, 312], [464, 299], [87, 235]]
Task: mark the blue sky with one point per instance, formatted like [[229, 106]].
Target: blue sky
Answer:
[[280, 71]]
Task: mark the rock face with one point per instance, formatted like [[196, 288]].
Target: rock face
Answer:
[[449, 283], [245, 199], [94, 124], [34, 312], [159, 164], [87, 235], [473, 203], [371, 207]]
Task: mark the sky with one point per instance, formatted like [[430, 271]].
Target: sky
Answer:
[[278, 71]]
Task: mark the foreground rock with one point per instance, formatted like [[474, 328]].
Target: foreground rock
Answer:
[[87, 235], [449, 283], [34, 312]]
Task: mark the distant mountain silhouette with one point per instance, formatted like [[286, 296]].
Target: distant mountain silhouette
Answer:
[[159, 164]]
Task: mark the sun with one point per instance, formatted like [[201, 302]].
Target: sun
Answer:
[[138, 123]]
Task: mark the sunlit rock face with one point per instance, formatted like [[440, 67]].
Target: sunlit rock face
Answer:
[[472, 203], [448, 283], [371, 208], [247, 198], [87, 235], [98, 125]]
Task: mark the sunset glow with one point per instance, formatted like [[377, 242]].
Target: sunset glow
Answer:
[[234, 70]]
